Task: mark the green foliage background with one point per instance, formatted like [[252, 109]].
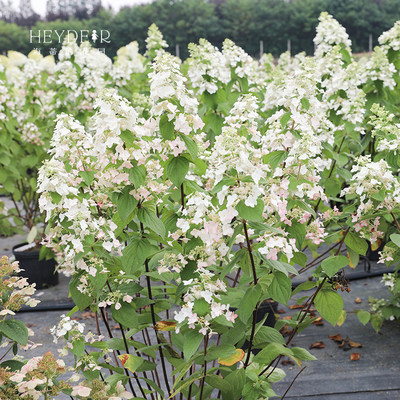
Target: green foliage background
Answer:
[[246, 22]]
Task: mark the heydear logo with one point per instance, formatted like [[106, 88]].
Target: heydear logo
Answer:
[[49, 36]]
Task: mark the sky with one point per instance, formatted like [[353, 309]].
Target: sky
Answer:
[[40, 5]]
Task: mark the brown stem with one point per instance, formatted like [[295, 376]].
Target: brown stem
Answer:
[[287, 390], [190, 387], [395, 220], [204, 368], [182, 196], [253, 266], [313, 262], [330, 172], [255, 280], [127, 350], [304, 311], [134, 374], [153, 319], [116, 359]]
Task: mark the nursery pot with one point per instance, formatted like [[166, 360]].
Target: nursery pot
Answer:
[[373, 255], [267, 308], [41, 272]]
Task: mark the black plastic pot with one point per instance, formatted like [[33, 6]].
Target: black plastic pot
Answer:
[[267, 308], [41, 272], [373, 255]]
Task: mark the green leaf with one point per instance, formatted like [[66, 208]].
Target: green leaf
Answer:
[[32, 234], [166, 128], [190, 145], [268, 334], [82, 300], [363, 316], [308, 285], [87, 176], [281, 288], [280, 266], [270, 352], [126, 204], [137, 175], [333, 264], [395, 238], [298, 232], [136, 253], [150, 220], [329, 304], [115, 378], [249, 302], [302, 354], [13, 365], [14, 330], [251, 213], [126, 315], [78, 347], [305, 103], [221, 351], [285, 118], [356, 243], [177, 169], [274, 158], [191, 344]]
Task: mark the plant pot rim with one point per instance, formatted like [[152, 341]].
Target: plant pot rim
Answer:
[[15, 250]]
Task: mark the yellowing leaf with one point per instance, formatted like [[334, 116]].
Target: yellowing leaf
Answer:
[[375, 245], [123, 358], [350, 263], [165, 326], [130, 362], [342, 318], [233, 359]]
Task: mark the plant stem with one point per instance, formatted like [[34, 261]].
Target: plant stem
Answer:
[[182, 196], [395, 220], [310, 302], [153, 319], [204, 368], [313, 262], [116, 359], [330, 172], [287, 390], [6, 352], [255, 280], [253, 266], [127, 350]]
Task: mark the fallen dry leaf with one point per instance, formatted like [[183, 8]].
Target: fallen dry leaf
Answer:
[[288, 317], [280, 311], [354, 356], [287, 362], [296, 306], [358, 300], [354, 344], [285, 331], [88, 315], [336, 338], [317, 345], [318, 321]]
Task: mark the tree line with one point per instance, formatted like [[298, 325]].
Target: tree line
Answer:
[[246, 22]]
